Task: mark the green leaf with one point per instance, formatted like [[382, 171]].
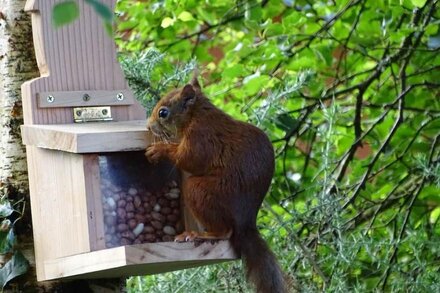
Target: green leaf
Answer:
[[167, 21], [434, 215], [185, 16], [253, 12], [252, 84], [418, 3], [64, 13], [16, 266], [101, 9], [432, 29], [274, 29], [233, 71]]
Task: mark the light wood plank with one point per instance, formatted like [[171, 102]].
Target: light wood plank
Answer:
[[58, 203], [89, 137], [143, 259]]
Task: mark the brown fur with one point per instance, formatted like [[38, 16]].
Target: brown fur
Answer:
[[231, 165]]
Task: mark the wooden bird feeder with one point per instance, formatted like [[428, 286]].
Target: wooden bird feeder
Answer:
[[99, 209]]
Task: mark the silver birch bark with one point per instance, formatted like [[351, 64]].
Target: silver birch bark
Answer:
[[17, 64]]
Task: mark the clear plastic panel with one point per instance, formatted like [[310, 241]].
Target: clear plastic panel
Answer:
[[141, 201]]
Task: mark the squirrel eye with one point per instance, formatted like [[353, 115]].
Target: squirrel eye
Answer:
[[163, 113]]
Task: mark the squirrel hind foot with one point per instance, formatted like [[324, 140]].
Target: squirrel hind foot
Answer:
[[192, 236], [187, 236]]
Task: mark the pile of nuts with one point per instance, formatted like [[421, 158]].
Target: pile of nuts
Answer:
[[134, 215]]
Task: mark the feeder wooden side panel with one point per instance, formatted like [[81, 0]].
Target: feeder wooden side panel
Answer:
[[142, 259], [77, 57], [94, 202], [58, 203]]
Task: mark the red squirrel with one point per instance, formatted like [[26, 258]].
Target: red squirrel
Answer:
[[231, 164]]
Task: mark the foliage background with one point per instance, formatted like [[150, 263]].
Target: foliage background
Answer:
[[348, 91]]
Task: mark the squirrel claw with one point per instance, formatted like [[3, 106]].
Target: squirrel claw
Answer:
[[186, 237]]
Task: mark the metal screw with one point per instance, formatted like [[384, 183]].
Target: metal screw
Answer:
[[104, 112], [78, 113], [86, 98], [120, 96], [50, 99]]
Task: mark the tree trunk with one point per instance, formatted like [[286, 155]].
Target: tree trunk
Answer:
[[17, 65]]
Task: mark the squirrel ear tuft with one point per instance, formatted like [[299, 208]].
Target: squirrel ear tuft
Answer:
[[194, 81], [188, 95]]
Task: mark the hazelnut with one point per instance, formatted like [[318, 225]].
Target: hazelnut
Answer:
[[116, 197], [122, 214], [153, 200], [157, 225], [132, 223], [166, 211], [158, 216], [110, 220], [172, 218], [140, 218], [137, 201], [148, 229], [174, 203], [129, 207], [168, 238], [125, 241], [128, 234], [140, 210], [149, 237], [122, 227], [121, 203], [163, 202], [147, 207]]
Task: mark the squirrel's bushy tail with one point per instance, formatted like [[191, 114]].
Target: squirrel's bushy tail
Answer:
[[261, 266]]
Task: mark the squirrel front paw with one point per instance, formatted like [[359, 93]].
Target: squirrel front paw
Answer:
[[154, 153]]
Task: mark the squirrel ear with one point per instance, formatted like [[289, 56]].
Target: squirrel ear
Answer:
[[188, 95]]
